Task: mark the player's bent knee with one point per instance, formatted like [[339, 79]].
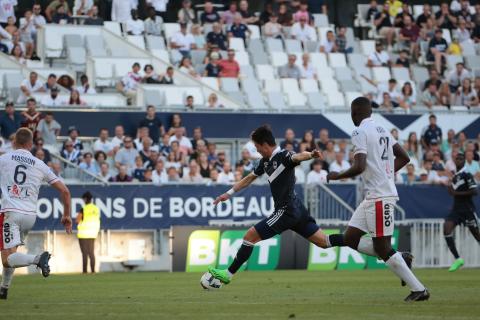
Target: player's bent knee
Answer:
[[252, 236], [319, 239]]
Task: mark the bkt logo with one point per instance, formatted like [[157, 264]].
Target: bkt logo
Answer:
[[215, 248]]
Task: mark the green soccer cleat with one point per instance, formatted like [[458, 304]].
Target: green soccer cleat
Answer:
[[220, 274], [456, 265]]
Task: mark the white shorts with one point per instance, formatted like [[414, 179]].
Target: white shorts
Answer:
[[375, 217], [14, 228]]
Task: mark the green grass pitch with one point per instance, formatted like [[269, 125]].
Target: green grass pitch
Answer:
[[366, 294]]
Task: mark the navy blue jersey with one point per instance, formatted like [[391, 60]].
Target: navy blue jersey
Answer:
[[463, 181], [280, 169]]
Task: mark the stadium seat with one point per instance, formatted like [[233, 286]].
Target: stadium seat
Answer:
[[381, 74], [236, 44], [309, 85], [155, 42], [175, 57], [472, 61], [459, 108], [255, 31], [103, 73], [276, 101], [420, 75], [3, 82], [170, 29], [53, 46], [293, 46], [229, 84], [320, 20], [242, 58], [350, 96], [279, 59], [113, 27], [174, 96], [366, 87], [367, 46], [77, 58], [161, 54], [260, 58], [246, 71], [237, 96], [335, 99], [255, 46], [255, 100], [154, 98], [401, 74], [265, 72], [337, 60], [343, 73], [322, 33], [319, 60], [72, 40], [273, 85], [197, 93], [311, 46], [137, 41], [249, 84], [328, 85], [11, 84], [356, 60], [349, 85], [95, 45], [447, 35], [316, 100], [211, 82], [468, 48], [273, 45], [296, 99], [452, 60]]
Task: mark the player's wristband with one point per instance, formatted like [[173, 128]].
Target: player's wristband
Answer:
[[230, 192]]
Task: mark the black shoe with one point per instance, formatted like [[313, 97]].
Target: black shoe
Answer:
[[418, 296], [3, 293], [408, 257], [43, 264]]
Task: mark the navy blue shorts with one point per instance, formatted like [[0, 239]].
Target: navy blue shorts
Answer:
[[293, 217]]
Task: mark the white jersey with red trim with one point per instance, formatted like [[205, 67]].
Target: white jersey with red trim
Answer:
[[377, 143], [21, 176]]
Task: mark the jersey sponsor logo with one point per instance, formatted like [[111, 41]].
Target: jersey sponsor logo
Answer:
[[387, 214], [7, 235], [380, 130], [19, 192]]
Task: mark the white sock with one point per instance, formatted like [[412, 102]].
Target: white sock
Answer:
[[365, 245], [230, 275], [400, 268], [7, 275], [18, 260]]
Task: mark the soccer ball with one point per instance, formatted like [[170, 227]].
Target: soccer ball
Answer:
[[209, 282]]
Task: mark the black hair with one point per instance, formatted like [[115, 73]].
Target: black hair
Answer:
[[362, 102], [87, 196], [263, 135]]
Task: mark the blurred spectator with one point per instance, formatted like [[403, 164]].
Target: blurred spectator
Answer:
[[153, 23], [410, 177], [341, 43], [284, 16], [146, 151], [66, 81], [85, 87], [220, 160], [340, 164], [193, 175], [122, 175], [93, 18], [185, 66], [431, 133], [329, 44], [29, 86], [48, 129], [164, 146], [150, 76], [189, 103], [172, 175], [105, 171], [117, 140], [427, 175], [209, 14], [430, 96], [17, 54], [302, 31], [51, 82], [307, 70], [31, 117], [408, 97], [168, 76], [39, 146], [229, 15], [159, 175], [198, 36], [425, 15], [28, 33], [100, 157], [75, 99], [88, 164], [216, 37], [466, 96], [290, 70], [434, 78], [372, 11], [73, 137], [290, 138], [226, 175], [447, 144], [175, 122], [383, 23], [40, 155], [399, 21], [69, 153], [5, 41], [175, 158], [129, 83], [82, 7], [103, 144], [139, 171], [160, 7], [53, 99], [456, 76], [303, 13], [7, 10], [238, 29], [213, 102], [186, 14], [445, 18], [153, 123], [135, 26], [198, 137], [462, 141], [462, 34], [204, 165], [403, 60], [323, 139], [142, 134], [329, 154], [308, 142], [229, 68], [273, 29], [54, 8], [317, 175], [61, 16], [409, 35], [247, 16], [121, 10], [10, 121], [379, 58], [387, 103], [213, 68], [183, 41], [126, 155], [437, 50], [184, 143], [394, 7], [471, 147]]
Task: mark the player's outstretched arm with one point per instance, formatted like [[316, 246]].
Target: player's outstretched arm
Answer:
[[245, 182], [306, 155], [401, 157], [66, 199], [359, 165]]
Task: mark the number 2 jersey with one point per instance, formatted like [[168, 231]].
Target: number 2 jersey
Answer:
[[21, 175], [377, 143]]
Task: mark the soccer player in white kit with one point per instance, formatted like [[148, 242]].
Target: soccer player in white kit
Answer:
[[21, 175], [377, 156]]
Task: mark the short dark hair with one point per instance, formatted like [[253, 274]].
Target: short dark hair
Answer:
[[87, 196], [23, 136], [263, 135], [52, 75], [432, 116], [31, 100], [361, 102], [136, 64], [49, 113]]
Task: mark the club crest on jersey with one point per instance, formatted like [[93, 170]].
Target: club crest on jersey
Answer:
[[274, 165], [15, 191]]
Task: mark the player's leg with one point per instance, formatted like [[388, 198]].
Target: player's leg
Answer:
[[91, 254], [83, 249], [448, 232], [475, 232]]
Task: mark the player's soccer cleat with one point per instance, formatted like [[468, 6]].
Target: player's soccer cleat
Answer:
[[408, 257], [3, 293], [220, 274], [456, 265], [418, 296], [43, 264]]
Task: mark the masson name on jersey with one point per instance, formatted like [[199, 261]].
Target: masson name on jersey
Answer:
[[173, 207]]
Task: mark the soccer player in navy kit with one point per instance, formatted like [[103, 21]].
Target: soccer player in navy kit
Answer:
[[463, 189], [289, 213]]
